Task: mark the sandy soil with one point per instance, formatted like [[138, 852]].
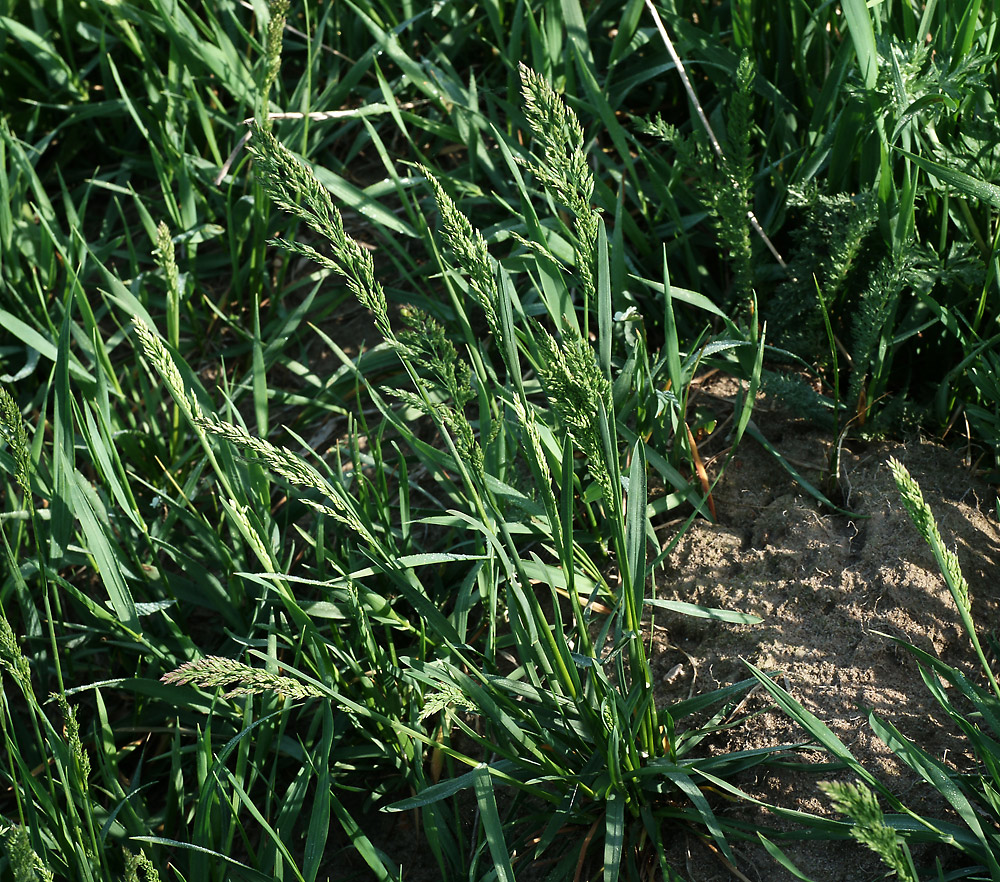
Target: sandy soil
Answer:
[[828, 588]]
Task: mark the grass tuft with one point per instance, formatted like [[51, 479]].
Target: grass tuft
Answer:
[[397, 401]]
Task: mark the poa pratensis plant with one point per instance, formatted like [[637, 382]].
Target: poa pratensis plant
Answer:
[[539, 660]]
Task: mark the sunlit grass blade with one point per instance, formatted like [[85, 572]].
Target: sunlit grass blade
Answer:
[[614, 834], [812, 725], [492, 826], [986, 191], [862, 33]]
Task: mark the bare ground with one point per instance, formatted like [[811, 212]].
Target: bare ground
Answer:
[[829, 588]]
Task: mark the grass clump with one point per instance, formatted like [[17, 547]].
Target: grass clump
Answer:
[[572, 724], [277, 577]]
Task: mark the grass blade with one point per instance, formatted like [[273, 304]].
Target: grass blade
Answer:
[[862, 32], [614, 835], [980, 189], [492, 826]]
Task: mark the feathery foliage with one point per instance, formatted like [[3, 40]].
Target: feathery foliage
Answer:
[[860, 804]]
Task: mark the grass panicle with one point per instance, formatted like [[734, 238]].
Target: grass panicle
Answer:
[[136, 861], [923, 518], [427, 343], [292, 468], [577, 390], [470, 251], [167, 260], [213, 672], [12, 658], [273, 40], [25, 864], [71, 727], [860, 804], [161, 359], [13, 433], [296, 190], [563, 167]]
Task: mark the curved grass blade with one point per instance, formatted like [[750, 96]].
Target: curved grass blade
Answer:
[[705, 612], [980, 189], [754, 432]]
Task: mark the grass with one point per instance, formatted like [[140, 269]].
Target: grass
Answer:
[[264, 576]]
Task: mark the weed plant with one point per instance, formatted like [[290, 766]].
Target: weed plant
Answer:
[[398, 574], [539, 659]]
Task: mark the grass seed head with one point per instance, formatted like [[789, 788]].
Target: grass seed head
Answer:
[[24, 862], [158, 356], [213, 671], [860, 804], [12, 431], [576, 388], [923, 518], [294, 188]]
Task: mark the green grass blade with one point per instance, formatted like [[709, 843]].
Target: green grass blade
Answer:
[[237, 866], [614, 835], [671, 343], [635, 522], [782, 858], [59, 74], [360, 842], [704, 612], [492, 826], [604, 318], [84, 504], [980, 189], [813, 726], [319, 818], [754, 433], [967, 28], [862, 32]]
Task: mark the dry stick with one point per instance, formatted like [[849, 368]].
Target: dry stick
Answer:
[[758, 229], [699, 468], [319, 115]]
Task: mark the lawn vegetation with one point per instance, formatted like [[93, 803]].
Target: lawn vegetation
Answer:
[[341, 346]]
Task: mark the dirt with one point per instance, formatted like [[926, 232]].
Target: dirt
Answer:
[[829, 587]]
